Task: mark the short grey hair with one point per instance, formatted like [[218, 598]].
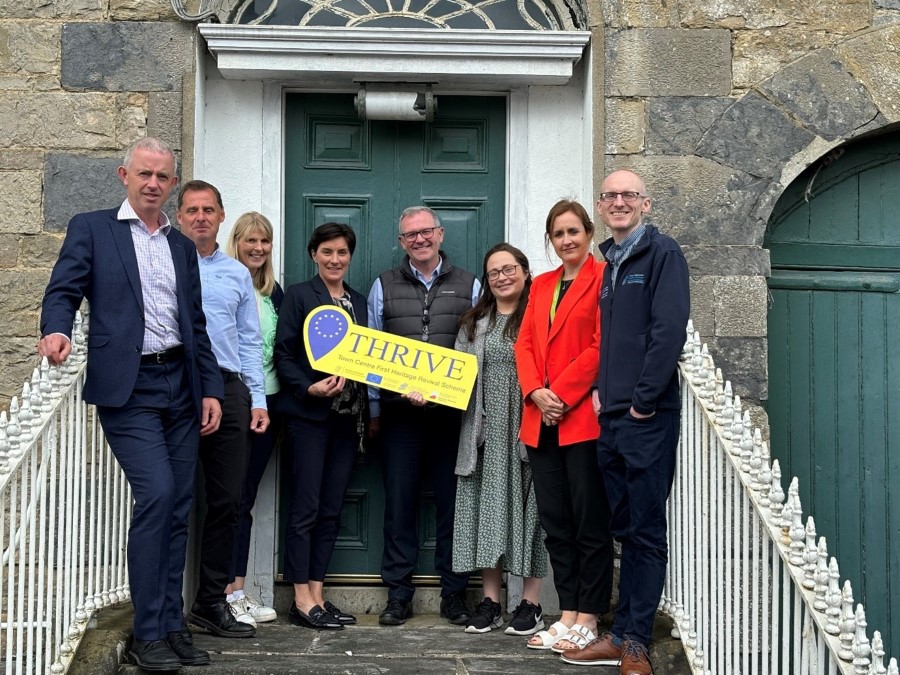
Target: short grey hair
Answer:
[[413, 210], [150, 144]]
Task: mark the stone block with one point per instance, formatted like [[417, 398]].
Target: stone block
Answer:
[[699, 201], [820, 92], [83, 10], [141, 10], [29, 48], [754, 136], [624, 126], [640, 13], [39, 250], [22, 290], [20, 201], [131, 121], [15, 159], [9, 250], [58, 120], [759, 54], [21, 83], [837, 16], [744, 361], [675, 124], [668, 62], [164, 117], [126, 56], [711, 259], [874, 59], [74, 184], [703, 305], [741, 306], [18, 358]]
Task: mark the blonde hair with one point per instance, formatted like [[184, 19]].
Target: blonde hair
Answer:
[[264, 278]]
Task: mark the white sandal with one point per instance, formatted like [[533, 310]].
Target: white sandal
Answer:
[[547, 638], [578, 635]]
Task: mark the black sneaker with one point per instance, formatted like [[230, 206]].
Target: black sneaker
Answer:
[[528, 619], [488, 616], [395, 612], [453, 608]]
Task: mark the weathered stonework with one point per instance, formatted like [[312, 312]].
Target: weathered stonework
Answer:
[[9, 250], [703, 304], [640, 13], [141, 10], [164, 117], [675, 124], [15, 159], [881, 75], [40, 250], [741, 306], [625, 120], [58, 120], [126, 56], [20, 202], [842, 17], [18, 359], [668, 62], [709, 260], [28, 49], [744, 361], [56, 9], [74, 184], [819, 92], [759, 54], [754, 136]]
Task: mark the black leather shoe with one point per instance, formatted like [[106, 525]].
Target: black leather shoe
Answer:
[[454, 609], [153, 655], [317, 618], [219, 621], [187, 653], [395, 612], [343, 617]]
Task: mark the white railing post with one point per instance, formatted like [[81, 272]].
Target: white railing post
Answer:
[[56, 473]]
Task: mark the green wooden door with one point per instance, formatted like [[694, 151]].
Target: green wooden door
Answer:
[[364, 173], [834, 364]]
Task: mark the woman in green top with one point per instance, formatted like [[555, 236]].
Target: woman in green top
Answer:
[[251, 243]]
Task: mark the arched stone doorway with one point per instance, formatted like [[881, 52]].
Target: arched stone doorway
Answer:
[[834, 360]]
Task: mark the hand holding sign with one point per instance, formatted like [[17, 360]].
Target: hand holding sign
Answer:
[[334, 344]]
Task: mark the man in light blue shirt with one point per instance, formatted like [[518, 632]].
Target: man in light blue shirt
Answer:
[[229, 304]]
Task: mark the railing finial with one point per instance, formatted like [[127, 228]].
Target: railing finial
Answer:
[[810, 555], [877, 667], [821, 602], [776, 495], [848, 623], [833, 599], [861, 648]]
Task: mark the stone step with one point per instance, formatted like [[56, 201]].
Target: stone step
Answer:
[[424, 644]]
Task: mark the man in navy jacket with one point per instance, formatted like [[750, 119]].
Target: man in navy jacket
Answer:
[[644, 308], [152, 375]]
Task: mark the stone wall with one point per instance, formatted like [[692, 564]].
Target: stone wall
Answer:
[[79, 80], [719, 105]]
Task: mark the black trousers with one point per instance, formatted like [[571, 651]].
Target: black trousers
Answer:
[[418, 442], [323, 453], [574, 513], [261, 446], [223, 458]]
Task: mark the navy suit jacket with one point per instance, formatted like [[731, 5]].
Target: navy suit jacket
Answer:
[[294, 370], [97, 261]]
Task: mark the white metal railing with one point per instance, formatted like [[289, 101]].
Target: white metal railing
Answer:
[[65, 507], [751, 590]]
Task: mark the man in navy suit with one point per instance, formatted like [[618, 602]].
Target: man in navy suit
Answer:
[[152, 375]]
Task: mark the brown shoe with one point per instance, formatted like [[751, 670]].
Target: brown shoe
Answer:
[[635, 660], [600, 652]]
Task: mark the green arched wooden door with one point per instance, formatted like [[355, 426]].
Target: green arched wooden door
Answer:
[[834, 362]]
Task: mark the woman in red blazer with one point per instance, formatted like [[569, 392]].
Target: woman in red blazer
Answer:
[[557, 356]]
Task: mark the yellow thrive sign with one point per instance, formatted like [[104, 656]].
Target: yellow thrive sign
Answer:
[[334, 344]]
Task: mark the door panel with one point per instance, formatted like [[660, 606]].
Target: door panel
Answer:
[[364, 173], [834, 364]]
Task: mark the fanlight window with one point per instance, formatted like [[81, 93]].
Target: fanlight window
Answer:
[[450, 14]]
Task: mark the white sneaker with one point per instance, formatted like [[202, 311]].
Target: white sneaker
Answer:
[[240, 611], [258, 611]]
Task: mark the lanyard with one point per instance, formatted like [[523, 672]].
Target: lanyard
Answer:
[[557, 293]]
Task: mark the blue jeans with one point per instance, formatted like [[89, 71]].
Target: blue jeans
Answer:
[[637, 459]]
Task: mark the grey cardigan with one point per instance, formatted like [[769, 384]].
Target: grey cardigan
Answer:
[[471, 434]]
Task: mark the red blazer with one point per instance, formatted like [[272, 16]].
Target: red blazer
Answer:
[[563, 357]]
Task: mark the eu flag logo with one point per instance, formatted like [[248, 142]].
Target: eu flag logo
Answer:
[[326, 331], [372, 378]]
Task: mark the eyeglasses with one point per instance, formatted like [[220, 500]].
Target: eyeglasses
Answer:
[[628, 197], [426, 232], [507, 270]]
